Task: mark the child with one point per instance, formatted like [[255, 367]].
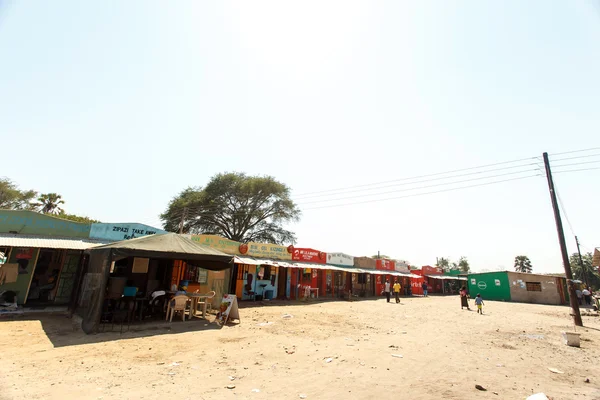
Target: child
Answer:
[[479, 304]]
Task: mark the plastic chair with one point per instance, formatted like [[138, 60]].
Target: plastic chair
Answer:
[[177, 303], [207, 303]]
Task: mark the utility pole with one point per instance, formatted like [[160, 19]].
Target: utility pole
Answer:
[[583, 271], [183, 217], [563, 246]]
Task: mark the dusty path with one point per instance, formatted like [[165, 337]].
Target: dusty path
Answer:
[[445, 353]]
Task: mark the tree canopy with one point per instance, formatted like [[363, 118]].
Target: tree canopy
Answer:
[[236, 206], [587, 272], [523, 264], [13, 198], [443, 263], [463, 264], [49, 203]]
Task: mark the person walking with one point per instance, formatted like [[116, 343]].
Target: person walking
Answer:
[[464, 302], [397, 288], [424, 286], [479, 304], [387, 290], [587, 295]]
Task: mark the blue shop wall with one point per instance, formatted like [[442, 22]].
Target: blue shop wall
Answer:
[[261, 286]]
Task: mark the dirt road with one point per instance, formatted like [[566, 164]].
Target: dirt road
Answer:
[[424, 348]]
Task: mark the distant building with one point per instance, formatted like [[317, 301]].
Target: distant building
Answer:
[[519, 287]]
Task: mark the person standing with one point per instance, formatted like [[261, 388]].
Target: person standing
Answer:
[[397, 288], [587, 295], [464, 302], [424, 286], [387, 290], [579, 295]]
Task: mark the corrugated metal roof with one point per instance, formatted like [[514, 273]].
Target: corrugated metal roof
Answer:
[[47, 242]]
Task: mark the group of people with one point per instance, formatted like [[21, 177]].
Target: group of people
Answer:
[[396, 289], [584, 295]]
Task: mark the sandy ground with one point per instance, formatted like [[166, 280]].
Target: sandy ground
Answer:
[[445, 352]]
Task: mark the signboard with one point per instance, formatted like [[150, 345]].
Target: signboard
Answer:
[[365, 263], [340, 259], [309, 255], [482, 285], [401, 266], [265, 250], [118, 232], [217, 242], [497, 282], [228, 309], [385, 265]]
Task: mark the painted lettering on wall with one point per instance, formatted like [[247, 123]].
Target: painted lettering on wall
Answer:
[[116, 232]]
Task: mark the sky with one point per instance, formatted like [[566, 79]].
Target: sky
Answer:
[[118, 106]]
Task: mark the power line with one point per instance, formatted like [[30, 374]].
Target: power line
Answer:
[[575, 170], [423, 194], [419, 181], [418, 188], [576, 151], [418, 177], [572, 164], [576, 158], [564, 212]]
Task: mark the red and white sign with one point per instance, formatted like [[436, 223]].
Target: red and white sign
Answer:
[[309, 255], [385, 265]]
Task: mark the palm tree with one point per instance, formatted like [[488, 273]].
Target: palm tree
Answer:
[[49, 203], [523, 264]]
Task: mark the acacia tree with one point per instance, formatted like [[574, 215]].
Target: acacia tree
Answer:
[[12, 198], [523, 264], [49, 203], [463, 264], [443, 263], [236, 206]]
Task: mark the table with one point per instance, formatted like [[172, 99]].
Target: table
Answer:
[[195, 299]]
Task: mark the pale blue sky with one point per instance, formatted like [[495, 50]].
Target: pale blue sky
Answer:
[[120, 105]]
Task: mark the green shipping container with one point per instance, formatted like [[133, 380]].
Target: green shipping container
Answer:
[[491, 285]]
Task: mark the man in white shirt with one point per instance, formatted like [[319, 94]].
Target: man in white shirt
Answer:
[[387, 290], [587, 295]]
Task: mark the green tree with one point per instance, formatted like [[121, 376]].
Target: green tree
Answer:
[[588, 271], [76, 218], [443, 263], [463, 265], [12, 198], [523, 264], [237, 206], [49, 203]]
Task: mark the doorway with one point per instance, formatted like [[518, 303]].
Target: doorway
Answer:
[[46, 275], [282, 283]]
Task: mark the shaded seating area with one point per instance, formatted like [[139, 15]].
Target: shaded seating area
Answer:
[[131, 281]]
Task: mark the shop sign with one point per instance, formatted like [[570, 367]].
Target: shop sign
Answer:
[[309, 255], [401, 266], [217, 242], [264, 250], [118, 232], [340, 259], [385, 265]]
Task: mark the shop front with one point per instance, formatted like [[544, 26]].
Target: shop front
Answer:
[[385, 268]]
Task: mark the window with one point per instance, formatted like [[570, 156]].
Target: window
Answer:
[[533, 286], [266, 272], [362, 278]]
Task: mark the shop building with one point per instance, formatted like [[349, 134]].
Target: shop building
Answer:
[[519, 287], [44, 254]]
